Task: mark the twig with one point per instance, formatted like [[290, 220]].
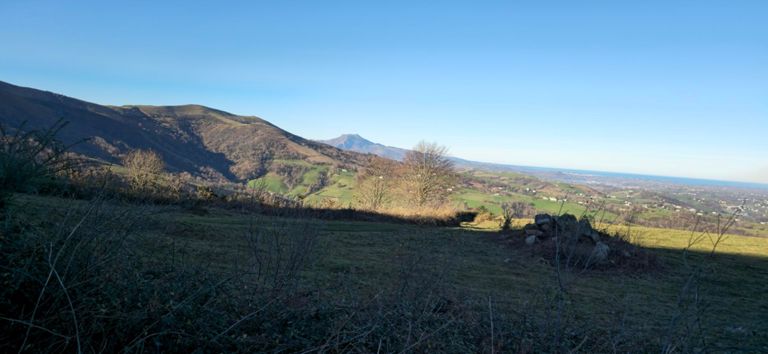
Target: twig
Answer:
[[490, 310], [574, 350], [50, 274], [243, 319], [71, 307]]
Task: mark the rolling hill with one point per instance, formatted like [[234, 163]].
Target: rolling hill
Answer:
[[191, 138]]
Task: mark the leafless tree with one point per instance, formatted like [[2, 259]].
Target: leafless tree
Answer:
[[429, 173], [143, 167], [375, 184]]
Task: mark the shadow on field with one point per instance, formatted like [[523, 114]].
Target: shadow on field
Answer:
[[109, 276]]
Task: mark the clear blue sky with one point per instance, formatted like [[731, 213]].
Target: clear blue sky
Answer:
[[660, 87]]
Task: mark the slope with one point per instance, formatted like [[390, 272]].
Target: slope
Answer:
[[191, 138]]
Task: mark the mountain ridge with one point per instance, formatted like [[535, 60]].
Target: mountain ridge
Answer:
[[355, 142], [363, 145], [191, 138]]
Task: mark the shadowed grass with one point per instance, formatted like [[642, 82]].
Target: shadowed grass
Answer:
[[474, 264]]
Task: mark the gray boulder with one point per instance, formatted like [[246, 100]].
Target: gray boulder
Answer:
[[592, 235], [542, 219], [586, 230], [600, 252]]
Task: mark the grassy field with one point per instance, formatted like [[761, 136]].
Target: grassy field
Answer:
[[339, 188], [637, 310], [476, 199]]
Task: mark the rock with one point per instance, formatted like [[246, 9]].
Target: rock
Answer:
[[600, 252], [586, 231], [567, 221], [531, 232], [592, 235], [542, 219], [530, 227], [584, 224], [530, 240], [568, 227]]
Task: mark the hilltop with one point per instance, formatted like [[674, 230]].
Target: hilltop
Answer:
[[195, 139]]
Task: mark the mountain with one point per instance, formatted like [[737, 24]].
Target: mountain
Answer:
[[191, 138], [356, 143]]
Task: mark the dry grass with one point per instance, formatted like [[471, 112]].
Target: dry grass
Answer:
[[370, 286], [438, 212]]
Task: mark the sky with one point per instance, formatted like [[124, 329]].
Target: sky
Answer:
[[676, 88]]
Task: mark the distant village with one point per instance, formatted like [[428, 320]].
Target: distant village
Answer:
[[750, 207]]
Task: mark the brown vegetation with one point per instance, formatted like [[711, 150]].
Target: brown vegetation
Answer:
[[82, 276], [429, 174], [194, 139], [376, 183], [513, 210], [144, 167]]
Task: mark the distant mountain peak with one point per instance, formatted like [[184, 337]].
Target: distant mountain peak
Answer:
[[352, 137], [355, 142]]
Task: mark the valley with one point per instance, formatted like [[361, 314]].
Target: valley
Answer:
[[331, 245], [389, 177]]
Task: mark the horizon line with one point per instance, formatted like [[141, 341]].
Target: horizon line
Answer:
[[753, 183]]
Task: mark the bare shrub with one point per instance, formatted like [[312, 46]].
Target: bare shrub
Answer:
[[512, 210], [375, 184], [685, 331], [62, 278], [204, 192], [280, 252], [31, 160]]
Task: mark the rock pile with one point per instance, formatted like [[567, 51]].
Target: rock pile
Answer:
[[575, 244], [577, 239]]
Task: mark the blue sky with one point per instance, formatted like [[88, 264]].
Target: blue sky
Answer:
[[658, 87]]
